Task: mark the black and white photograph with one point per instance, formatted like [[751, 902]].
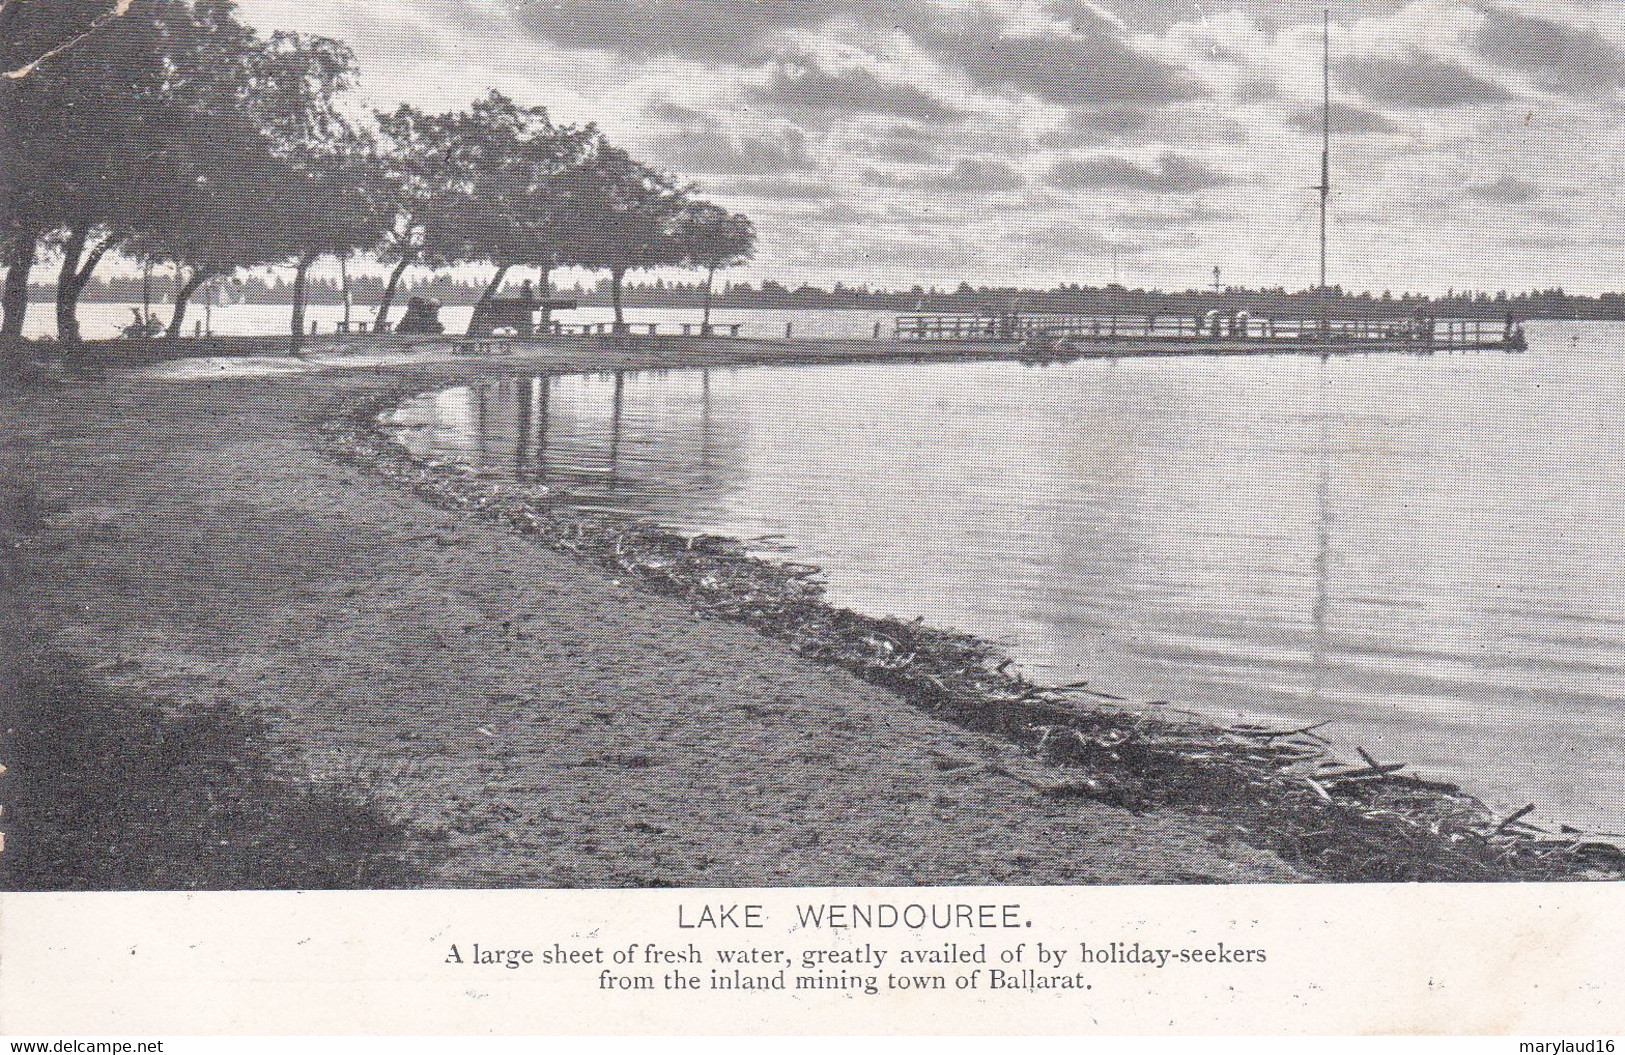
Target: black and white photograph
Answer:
[[923, 445]]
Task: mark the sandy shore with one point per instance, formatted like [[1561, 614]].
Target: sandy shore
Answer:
[[522, 716]]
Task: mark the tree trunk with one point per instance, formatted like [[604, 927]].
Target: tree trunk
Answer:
[[344, 290], [705, 318], [616, 274], [19, 264], [67, 326], [381, 323], [183, 297], [77, 267], [547, 295], [296, 328], [482, 306]]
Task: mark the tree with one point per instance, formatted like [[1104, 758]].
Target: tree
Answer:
[[403, 246], [712, 237], [631, 221], [267, 169], [420, 189], [497, 183], [33, 40], [326, 192], [221, 228], [526, 179], [98, 142], [329, 207], [112, 135], [23, 58]]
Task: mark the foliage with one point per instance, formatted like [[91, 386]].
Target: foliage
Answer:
[[175, 134], [714, 238]]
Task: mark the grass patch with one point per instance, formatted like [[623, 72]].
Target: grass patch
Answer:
[[108, 792]]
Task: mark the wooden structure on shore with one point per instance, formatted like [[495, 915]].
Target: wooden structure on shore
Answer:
[[516, 314], [1192, 333]]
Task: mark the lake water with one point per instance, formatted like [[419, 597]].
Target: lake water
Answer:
[[98, 321], [1426, 550]]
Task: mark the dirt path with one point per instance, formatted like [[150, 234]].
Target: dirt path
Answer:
[[553, 726]]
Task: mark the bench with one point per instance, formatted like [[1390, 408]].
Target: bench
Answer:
[[514, 313], [482, 347]]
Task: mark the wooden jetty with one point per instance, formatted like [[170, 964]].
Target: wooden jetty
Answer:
[[1235, 331]]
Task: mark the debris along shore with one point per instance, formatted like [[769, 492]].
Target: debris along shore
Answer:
[[1283, 790]]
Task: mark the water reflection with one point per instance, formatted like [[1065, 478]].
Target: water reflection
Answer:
[[1424, 550], [634, 442]]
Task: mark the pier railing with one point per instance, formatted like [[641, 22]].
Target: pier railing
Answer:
[[1433, 333]]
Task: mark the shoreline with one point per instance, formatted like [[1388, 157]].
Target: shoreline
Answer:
[[1122, 756], [1045, 752]]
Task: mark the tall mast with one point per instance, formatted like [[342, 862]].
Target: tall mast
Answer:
[[1325, 187]]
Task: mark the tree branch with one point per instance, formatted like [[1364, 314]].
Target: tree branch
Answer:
[[95, 257], [117, 10]]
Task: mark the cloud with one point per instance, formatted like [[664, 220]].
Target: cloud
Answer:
[[1346, 120], [1560, 58], [1183, 218], [1075, 239], [728, 32], [899, 142], [1089, 64], [677, 115], [768, 154], [1255, 90], [979, 176], [1419, 80], [824, 120], [1112, 122], [802, 86], [1506, 190], [1172, 174], [776, 188], [966, 176]]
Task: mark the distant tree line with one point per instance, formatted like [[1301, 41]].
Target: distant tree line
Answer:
[[1268, 302], [172, 134], [671, 293]]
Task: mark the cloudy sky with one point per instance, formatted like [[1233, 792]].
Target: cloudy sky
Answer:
[[1478, 144]]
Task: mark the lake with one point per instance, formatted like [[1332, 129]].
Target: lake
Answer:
[[1425, 550], [98, 321]]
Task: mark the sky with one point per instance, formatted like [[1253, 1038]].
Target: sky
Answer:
[[1476, 145]]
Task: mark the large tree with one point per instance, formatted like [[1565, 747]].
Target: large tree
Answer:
[[268, 170], [68, 26], [329, 207], [525, 177], [325, 193], [630, 221], [45, 91], [100, 142], [712, 237], [404, 192], [113, 134], [425, 191]]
